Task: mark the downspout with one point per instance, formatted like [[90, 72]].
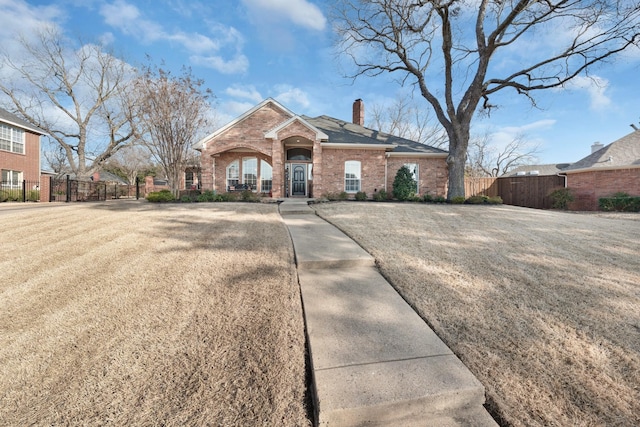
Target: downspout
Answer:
[[386, 163], [564, 176]]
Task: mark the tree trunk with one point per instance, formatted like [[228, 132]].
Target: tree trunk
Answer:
[[458, 146]]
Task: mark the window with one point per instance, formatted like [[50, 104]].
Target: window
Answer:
[[250, 172], [11, 139], [299, 154], [11, 179], [233, 175], [352, 176], [414, 168], [266, 177]]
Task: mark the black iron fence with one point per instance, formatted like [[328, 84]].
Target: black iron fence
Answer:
[[21, 191], [70, 190]]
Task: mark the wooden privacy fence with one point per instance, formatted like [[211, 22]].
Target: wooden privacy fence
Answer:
[[480, 186], [527, 191]]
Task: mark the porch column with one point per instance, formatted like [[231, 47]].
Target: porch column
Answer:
[[318, 188], [208, 169], [277, 159]]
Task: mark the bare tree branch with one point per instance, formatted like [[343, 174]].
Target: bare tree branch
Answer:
[[447, 48], [75, 94], [171, 111]]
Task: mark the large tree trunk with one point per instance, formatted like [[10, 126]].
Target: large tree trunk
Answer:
[[458, 145]]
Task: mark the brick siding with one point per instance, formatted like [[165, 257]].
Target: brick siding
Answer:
[[28, 163], [432, 174], [328, 163], [588, 187]]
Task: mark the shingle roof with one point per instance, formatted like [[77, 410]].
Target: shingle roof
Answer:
[[342, 132], [623, 152], [12, 119], [543, 170]]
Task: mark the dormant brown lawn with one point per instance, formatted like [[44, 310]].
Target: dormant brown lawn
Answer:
[[543, 306], [137, 314]]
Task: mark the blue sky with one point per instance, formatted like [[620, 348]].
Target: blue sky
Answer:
[[248, 50]]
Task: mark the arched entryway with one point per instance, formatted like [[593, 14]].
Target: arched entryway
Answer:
[[298, 166]]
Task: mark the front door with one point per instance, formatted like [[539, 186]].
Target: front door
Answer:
[[299, 181]]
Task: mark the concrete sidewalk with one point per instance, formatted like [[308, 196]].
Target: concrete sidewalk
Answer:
[[375, 362]]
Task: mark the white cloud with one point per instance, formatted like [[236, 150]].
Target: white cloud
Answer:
[[289, 95], [237, 65], [300, 12], [18, 18], [244, 92], [595, 87], [501, 137], [206, 50]]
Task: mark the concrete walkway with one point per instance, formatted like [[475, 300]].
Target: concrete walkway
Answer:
[[375, 362]]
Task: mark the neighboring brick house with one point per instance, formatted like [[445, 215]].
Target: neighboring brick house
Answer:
[[606, 171], [19, 151], [271, 150]]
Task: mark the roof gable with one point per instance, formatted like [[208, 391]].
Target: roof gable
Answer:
[[624, 152], [202, 143], [273, 133], [14, 120]]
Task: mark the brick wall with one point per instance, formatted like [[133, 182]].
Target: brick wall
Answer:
[[588, 187], [432, 174], [372, 169], [28, 163], [247, 134], [45, 188]]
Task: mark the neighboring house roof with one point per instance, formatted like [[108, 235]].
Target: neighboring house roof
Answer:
[[543, 170], [105, 176], [344, 133], [620, 154], [14, 120]]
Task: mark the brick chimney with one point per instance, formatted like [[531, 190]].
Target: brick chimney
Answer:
[[358, 112], [596, 146]]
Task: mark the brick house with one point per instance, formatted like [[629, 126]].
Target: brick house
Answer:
[[271, 150], [19, 151], [607, 170]]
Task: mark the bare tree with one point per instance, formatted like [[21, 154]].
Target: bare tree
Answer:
[[130, 162], [448, 48], [77, 95], [172, 113], [405, 119], [57, 160], [485, 159]]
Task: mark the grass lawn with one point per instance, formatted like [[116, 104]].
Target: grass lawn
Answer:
[[542, 306], [138, 314]]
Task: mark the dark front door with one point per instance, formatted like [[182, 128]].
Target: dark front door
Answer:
[[298, 181]]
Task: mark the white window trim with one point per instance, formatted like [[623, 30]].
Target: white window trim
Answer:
[[415, 173], [254, 185], [358, 176], [237, 178], [12, 136], [11, 182], [262, 179]]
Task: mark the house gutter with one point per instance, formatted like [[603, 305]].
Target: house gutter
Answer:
[[564, 175]]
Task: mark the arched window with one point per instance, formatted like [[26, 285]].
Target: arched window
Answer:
[[266, 176], [352, 176], [300, 154], [233, 175], [250, 173]]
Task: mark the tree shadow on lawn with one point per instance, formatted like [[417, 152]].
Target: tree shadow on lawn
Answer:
[[544, 329]]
